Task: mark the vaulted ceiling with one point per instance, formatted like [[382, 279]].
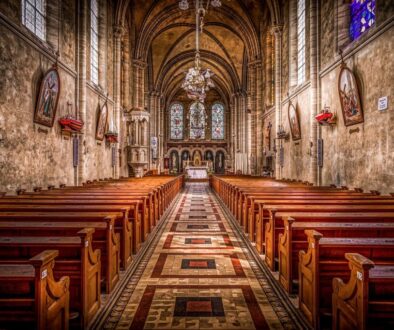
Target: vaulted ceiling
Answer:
[[165, 39]]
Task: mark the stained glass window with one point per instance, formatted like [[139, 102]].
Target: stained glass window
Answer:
[[176, 114], [362, 13], [301, 41], [94, 40], [33, 16], [217, 121], [197, 121]]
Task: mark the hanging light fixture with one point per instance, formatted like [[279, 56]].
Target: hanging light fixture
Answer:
[[198, 81]]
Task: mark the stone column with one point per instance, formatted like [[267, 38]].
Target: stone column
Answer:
[[258, 120], [126, 72], [314, 78], [82, 54], [277, 32], [251, 119], [119, 31]]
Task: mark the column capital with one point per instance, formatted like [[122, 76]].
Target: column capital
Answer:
[[140, 64], [276, 30], [119, 31]]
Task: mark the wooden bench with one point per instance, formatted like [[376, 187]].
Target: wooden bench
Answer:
[[127, 227], [31, 298], [293, 239], [366, 301], [324, 259], [251, 212], [76, 259], [271, 233], [104, 239]]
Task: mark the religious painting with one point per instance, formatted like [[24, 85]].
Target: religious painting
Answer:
[[294, 122], [349, 97], [102, 122], [48, 98]]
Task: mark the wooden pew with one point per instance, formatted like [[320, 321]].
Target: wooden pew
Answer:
[[255, 224], [271, 232], [293, 239], [324, 259], [31, 298], [254, 203], [76, 259], [127, 227], [104, 239], [366, 301]]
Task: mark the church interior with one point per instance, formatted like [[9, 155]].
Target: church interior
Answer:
[[196, 164]]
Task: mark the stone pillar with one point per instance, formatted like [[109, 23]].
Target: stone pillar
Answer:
[[258, 120], [126, 72], [82, 54], [277, 32], [251, 119], [314, 78], [269, 71], [119, 31]]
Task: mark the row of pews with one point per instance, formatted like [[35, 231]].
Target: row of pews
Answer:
[[60, 249], [334, 247]]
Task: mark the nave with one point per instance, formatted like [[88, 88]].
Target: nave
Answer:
[[199, 273]]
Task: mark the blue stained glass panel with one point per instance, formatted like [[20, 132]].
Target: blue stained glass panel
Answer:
[[362, 13], [217, 121], [176, 121]]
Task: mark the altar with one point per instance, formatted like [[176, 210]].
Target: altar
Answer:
[[197, 170], [194, 172]]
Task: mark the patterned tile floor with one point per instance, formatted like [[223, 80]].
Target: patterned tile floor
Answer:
[[198, 275]]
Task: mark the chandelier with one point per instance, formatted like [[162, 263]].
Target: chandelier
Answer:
[[198, 81]]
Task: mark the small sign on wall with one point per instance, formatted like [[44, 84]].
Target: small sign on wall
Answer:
[[383, 103]]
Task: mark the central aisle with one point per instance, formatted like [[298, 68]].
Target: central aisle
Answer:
[[198, 275]]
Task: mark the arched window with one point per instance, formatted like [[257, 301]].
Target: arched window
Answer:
[[33, 16], [176, 120], [300, 41], [94, 41], [362, 17], [197, 121], [217, 121]]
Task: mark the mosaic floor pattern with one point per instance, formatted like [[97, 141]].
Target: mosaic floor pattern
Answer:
[[198, 275]]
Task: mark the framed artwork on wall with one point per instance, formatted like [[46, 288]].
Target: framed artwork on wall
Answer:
[[102, 122], [349, 96], [294, 122], [48, 98]]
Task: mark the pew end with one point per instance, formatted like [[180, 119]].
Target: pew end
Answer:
[[308, 282], [365, 298], [34, 298]]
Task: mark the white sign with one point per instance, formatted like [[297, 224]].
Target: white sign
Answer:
[[383, 103]]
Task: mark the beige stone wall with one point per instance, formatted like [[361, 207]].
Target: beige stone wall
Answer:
[[297, 153], [33, 155], [364, 158], [360, 155]]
